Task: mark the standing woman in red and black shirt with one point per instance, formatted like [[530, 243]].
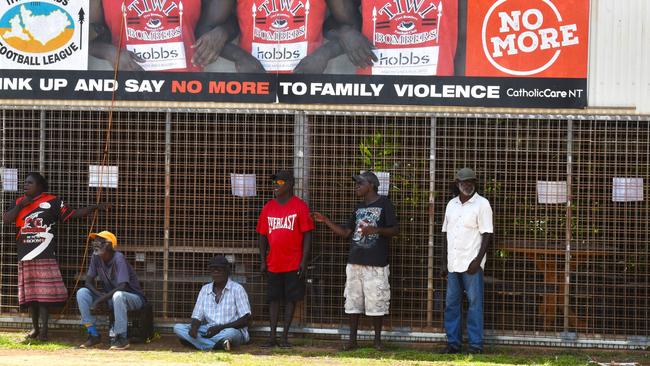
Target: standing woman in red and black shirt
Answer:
[[36, 215]]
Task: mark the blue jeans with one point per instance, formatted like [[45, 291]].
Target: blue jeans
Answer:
[[473, 287], [235, 336], [121, 303]]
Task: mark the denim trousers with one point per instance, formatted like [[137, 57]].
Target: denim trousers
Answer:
[[472, 285], [235, 336], [121, 303]]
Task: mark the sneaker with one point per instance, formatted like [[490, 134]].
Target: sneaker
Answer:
[[475, 350], [92, 341], [120, 343], [226, 345]]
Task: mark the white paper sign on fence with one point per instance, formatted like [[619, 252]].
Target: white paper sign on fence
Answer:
[[551, 192], [627, 189], [243, 185], [384, 182], [105, 176], [9, 180]]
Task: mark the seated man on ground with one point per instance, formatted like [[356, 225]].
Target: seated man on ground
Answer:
[[121, 290], [221, 314]]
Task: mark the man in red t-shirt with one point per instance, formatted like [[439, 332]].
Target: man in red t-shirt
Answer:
[[285, 229]]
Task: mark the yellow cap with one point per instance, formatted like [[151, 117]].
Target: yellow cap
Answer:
[[105, 235]]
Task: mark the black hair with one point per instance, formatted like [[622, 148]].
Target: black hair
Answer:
[[40, 180], [363, 179]]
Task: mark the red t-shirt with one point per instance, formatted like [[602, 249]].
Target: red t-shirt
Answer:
[[161, 32], [280, 33], [411, 37], [284, 226]]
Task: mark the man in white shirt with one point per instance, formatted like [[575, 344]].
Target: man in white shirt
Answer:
[[221, 314], [468, 224]]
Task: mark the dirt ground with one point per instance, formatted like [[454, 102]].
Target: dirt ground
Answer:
[[166, 350], [163, 350]]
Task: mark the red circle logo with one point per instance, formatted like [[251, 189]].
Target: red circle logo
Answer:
[[525, 37]]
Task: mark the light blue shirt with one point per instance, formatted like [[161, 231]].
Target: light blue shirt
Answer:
[[232, 306]]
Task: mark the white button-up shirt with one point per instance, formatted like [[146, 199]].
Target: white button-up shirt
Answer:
[[232, 306], [464, 223]]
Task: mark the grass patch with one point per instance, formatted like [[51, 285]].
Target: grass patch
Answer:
[[19, 341], [166, 350], [493, 357]]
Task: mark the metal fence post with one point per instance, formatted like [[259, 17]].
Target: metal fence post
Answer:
[[430, 255], [301, 156], [41, 144], [168, 153], [569, 194]]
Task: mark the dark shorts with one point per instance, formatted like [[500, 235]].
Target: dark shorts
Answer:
[[286, 286]]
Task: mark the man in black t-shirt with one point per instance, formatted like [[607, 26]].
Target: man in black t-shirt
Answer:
[[370, 228]]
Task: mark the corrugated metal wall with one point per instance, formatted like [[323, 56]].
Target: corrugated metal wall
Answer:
[[619, 54]]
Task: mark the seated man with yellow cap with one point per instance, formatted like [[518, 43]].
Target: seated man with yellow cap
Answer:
[[122, 291]]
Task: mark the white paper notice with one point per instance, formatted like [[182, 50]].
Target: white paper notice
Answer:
[[243, 185], [9, 180], [384, 182], [551, 192], [102, 176], [627, 189]]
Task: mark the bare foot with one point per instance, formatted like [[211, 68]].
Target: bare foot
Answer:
[[33, 334]]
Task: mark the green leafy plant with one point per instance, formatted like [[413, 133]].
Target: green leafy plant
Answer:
[[382, 153]]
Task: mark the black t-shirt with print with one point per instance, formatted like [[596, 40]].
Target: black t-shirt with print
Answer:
[[371, 250], [36, 225]]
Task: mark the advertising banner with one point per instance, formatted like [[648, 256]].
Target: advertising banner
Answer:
[[43, 35], [483, 53]]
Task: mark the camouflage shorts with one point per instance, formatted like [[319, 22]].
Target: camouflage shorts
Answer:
[[367, 290]]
